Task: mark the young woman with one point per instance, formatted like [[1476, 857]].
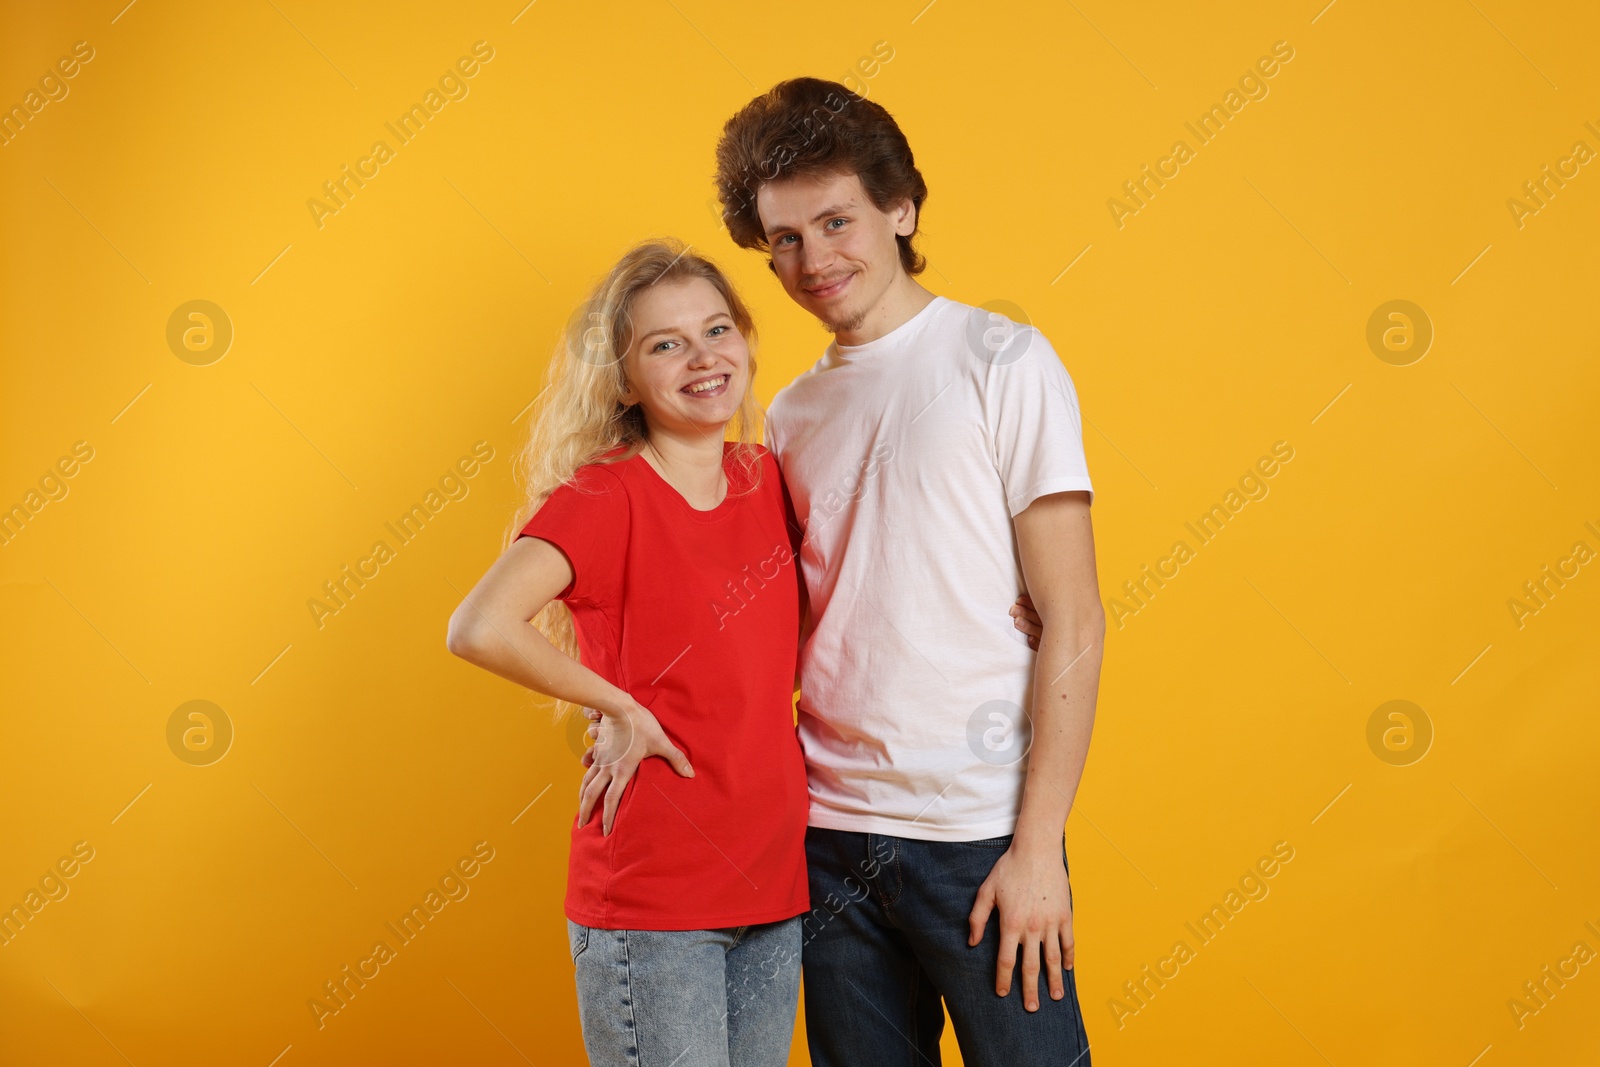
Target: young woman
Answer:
[[660, 553]]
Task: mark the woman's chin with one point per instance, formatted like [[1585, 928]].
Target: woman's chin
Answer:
[[711, 415], [701, 424]]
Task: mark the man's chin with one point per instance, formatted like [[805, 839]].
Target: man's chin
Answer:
[[841, 320], [855, 322]]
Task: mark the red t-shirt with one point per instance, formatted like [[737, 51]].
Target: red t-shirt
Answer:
[[696, 614]]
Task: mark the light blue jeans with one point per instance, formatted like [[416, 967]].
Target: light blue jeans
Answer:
[[688, 998]]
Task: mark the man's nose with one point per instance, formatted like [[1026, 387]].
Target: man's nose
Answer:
[[814, 259]]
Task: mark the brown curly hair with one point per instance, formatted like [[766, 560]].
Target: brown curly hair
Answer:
[[808, 126]]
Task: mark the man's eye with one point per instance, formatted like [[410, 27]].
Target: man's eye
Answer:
[[786, 238], [839, 221]]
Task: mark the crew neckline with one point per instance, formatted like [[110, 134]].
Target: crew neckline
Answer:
[[895, 335], [729, 498]]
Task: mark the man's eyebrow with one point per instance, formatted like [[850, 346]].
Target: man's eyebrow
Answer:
[[832, 209], [674, 329], [836, 209]]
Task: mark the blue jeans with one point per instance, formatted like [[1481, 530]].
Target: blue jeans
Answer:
[[688, 998], [885, 950]]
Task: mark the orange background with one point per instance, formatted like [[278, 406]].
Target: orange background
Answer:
[[370, 353]]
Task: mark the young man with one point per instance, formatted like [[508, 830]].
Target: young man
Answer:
[[934, 458]]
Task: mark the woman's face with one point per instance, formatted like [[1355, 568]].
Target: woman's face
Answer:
[[688, 365]]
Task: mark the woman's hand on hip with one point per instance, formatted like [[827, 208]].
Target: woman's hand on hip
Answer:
[[623, 739]]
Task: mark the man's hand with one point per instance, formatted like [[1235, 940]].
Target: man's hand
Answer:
[[1029, 887], [1026, 619], [622, 740]]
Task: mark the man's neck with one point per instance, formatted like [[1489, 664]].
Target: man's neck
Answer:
[[898, 306]]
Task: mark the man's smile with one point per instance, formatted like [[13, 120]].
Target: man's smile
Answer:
[[828, 289]]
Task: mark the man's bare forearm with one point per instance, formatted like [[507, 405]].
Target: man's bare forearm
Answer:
[[1066, 686]]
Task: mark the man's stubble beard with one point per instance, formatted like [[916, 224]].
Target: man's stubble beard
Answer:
[[854, 322]]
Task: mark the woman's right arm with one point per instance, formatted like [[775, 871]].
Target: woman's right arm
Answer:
[[491, 628]]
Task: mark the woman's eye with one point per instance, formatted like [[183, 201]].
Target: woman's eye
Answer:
[[661, 345], [718, 331]]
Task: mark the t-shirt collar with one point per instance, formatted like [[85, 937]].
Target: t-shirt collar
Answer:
[[894, 337]]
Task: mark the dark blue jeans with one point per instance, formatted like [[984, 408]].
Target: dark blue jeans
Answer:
[[884, 951]]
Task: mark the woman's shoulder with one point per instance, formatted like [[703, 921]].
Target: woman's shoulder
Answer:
[[752, 463], [758, 454], [752, 472], [605, 473]]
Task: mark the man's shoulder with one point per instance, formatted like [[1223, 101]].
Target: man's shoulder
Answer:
[[982, 337], [996, 323], [797, 389]]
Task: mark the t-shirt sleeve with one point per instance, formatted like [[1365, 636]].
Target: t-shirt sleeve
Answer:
[[1031, 407], [791, 521], [768, 434], [587, 519]]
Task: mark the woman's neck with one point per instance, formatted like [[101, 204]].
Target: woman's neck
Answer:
[[691, 464]]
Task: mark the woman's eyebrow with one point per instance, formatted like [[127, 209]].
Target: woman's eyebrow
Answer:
[[675, 329]]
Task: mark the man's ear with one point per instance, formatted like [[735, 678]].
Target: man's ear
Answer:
[[904, 217], [771, 266]]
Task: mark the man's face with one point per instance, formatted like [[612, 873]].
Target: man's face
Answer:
[[832, 248]]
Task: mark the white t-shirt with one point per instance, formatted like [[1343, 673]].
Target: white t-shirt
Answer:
[[907, 459]]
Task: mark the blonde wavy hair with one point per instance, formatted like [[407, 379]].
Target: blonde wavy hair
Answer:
[[580, 418]]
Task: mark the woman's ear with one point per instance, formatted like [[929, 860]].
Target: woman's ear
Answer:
[[619, 366]]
